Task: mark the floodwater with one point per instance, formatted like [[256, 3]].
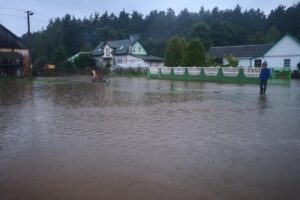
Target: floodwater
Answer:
[[132, 139]]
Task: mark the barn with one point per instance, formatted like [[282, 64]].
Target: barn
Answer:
[[14, 55]]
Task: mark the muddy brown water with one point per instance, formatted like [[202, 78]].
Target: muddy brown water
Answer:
[[70, 139]]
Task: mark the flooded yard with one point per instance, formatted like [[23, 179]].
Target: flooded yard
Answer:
[[67, 138]]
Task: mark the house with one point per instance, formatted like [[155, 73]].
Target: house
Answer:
[[284, 53], [14, 55], [125, 53]]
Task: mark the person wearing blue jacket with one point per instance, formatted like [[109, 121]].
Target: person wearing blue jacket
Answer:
[[263, 77]]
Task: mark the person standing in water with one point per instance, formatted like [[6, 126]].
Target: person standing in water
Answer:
[[263, 77]]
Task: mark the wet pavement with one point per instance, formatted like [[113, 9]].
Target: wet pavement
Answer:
[[132, 138]]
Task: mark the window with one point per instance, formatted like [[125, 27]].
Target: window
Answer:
[[287, 63], [119, 61], [139, 49], [257, 63], [107, 52], [219, 61]]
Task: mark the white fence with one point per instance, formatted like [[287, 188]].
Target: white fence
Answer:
[[211, 71], [252, 72], [165, 70], [154, 70], [194, 71], [179, 70], [230, 71]]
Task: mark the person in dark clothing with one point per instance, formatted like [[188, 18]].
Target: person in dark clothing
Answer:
[[263, 77]]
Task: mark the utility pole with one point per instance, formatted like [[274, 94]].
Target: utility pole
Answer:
[[29, 13]]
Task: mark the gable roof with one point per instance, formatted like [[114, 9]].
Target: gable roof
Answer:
[[285, 35], [246, 51], [291, 36], [119, 47], [9, 40], [72, 58]]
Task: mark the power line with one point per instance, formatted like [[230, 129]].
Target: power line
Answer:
[[20, 10], [11, 15], [33, 18], [15, 9]]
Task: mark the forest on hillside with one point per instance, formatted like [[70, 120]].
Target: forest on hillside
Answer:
[[66, 36]]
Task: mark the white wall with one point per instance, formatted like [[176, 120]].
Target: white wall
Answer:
[[286, 48], [279, 61], [244, 62], [121, 59], [104, 50], [136, 61]]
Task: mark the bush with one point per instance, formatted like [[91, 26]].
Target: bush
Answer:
[[84, 60], [232, 61], [282, 74], [68, 64]]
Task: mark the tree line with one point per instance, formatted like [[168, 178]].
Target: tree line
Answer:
[[66, 36]]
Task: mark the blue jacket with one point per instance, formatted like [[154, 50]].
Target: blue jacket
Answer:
[[264, 74]]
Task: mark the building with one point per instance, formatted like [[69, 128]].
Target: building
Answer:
[[284, 53], [14, 55], [127, 53]]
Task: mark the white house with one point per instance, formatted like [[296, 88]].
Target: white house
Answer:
[[124, 53], [284, 53]]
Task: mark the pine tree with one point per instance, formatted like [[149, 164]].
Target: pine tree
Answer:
[[195, 54]]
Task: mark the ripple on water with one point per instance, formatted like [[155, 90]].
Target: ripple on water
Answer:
[[68, 136]]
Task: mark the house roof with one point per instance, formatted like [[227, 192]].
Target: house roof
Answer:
[[76, 55], [149, 58], [119, 47], [9, 40], [10, 55], [243, 51], [285, 35]]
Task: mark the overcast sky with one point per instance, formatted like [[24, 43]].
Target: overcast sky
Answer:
[[13, 17]]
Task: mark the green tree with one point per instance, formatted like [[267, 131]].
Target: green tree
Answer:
[[84, 60], [232, 61], [174, 52], [272, 35], [194, 54], [202, 30], [58, 56], [68, 35]]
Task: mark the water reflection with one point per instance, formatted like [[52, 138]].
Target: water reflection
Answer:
[[263, 103], [69, 138]]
